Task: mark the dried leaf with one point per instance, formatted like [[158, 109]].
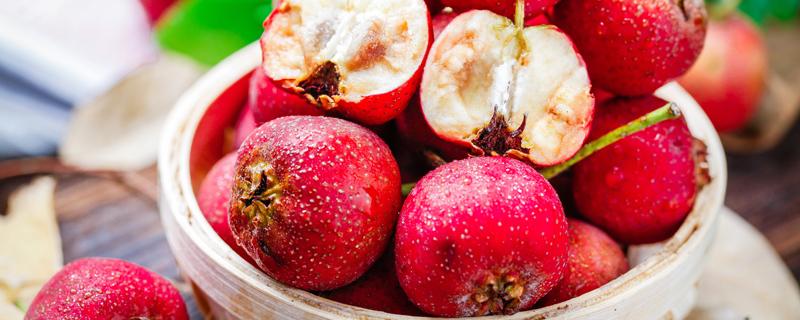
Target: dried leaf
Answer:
[[120, 130], [30, 244]]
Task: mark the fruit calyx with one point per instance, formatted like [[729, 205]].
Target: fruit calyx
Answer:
[[260, 193], [321, 87], [497, 137], [499, 294]]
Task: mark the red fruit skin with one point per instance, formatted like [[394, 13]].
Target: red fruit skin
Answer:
[[156, 8], [269, 101], [470, 219], [633, 47], [541, 19], [594, 260], [728, 78], [641, 188], [214, 200], [370, 111], [103, 288], [501, 7], [379, 109], [378, 289], [245, 124], [334, 214], [434, 6], [601, 96], [411, 125], [440, 21]]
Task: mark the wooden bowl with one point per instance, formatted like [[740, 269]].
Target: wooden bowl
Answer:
[[661, 283]]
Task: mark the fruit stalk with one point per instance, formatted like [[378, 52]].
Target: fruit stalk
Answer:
[[667, 112], [519, 23], [407, 187]]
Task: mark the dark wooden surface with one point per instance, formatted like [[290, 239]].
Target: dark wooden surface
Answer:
[[765, 190]]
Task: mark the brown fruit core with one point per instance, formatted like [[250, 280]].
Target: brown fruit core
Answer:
[[259, 193], [499, 294], [497, 137], [322, 85]]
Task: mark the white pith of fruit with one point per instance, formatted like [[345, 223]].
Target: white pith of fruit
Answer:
[[376, 45], [478, 64]]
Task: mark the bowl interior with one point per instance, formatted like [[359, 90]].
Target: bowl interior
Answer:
[[213, 137]]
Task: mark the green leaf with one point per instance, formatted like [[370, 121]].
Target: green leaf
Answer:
[[210, 30], [719, 9], [763, 10], [756, 9], [784, 10]]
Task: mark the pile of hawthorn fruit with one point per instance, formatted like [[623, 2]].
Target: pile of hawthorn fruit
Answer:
[[315, 201], [484, 103]]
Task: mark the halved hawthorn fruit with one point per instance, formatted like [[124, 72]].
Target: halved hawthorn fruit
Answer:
[[360, 59], [500, 89]]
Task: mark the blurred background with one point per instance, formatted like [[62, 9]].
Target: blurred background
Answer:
[[86, 85]]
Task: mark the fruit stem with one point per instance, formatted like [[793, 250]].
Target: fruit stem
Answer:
[[519, 23], [667, 112], [407, 187], [664, 113]]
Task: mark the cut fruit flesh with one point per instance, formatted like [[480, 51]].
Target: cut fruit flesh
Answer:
[[345, 50], [480, 71]]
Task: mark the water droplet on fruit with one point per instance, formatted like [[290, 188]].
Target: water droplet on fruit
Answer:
[[614, 177]]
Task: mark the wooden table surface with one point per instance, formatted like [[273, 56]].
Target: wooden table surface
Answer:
[[765, 190]]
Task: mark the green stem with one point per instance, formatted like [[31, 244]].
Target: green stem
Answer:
[[667, 112], [407, 187]]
